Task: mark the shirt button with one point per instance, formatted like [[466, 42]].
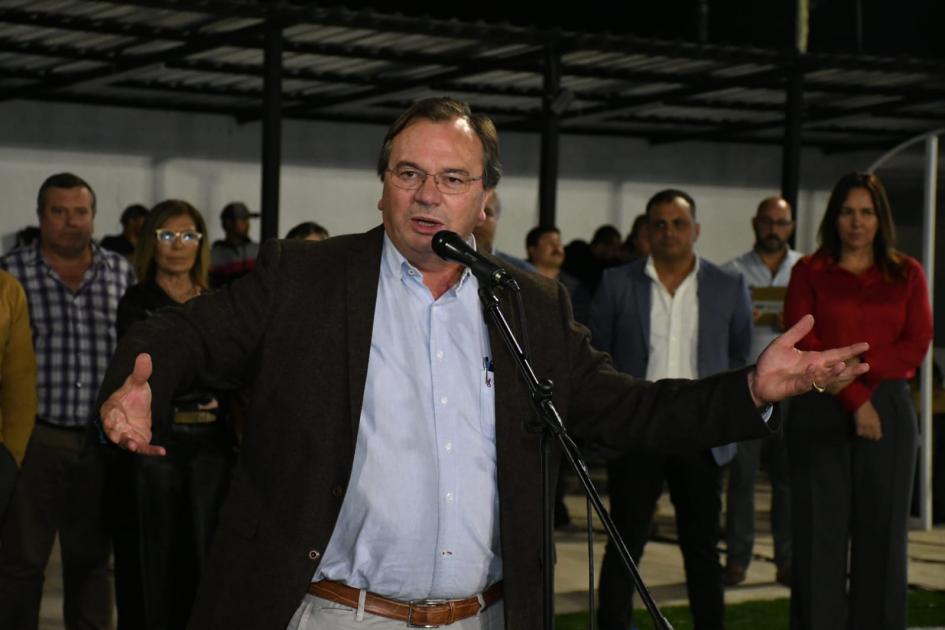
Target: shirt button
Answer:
[[444, 400], [449, 497], [314, 555], [337, 492], [449, 446], [439, 354]]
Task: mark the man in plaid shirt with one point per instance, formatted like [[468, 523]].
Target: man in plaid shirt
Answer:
[[73, 287]]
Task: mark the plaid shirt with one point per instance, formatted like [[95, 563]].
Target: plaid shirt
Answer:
[[73, 333]]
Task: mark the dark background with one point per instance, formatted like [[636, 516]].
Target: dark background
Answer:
[[876, 27]]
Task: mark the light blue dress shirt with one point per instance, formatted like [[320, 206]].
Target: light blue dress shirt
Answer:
[[420, 516], [757, 274]]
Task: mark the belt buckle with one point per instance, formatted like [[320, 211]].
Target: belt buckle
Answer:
[[422, 603]]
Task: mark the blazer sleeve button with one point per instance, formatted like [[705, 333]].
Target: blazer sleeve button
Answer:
[[337, 492], [314, 555]]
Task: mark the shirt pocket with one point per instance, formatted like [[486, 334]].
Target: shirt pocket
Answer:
[[487, 404]]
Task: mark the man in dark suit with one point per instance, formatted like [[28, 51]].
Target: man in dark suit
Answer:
[[671, 314], [371, 343]]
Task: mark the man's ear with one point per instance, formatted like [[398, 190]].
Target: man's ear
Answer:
[[486, 196]]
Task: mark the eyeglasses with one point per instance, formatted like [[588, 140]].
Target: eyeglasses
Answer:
[[187, 237], [780, 223], [449, 183]]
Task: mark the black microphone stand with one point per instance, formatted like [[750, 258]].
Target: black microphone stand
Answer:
[[550, 425]]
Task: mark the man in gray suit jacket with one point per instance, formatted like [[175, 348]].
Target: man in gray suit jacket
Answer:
[[670, 315], [308, 329]]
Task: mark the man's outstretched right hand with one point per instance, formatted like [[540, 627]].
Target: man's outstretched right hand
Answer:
[[126, 415]]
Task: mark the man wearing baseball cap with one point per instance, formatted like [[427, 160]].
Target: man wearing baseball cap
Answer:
[[235, 254]]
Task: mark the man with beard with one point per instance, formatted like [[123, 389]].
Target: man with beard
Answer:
[[767, 264]]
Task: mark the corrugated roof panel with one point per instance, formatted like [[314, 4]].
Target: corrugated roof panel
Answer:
[[312, 33], [744, 95], [867, 78]]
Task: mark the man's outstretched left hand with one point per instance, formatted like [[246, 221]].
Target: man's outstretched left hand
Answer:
[[784, 371]]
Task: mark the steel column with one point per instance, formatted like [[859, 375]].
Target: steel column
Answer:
[[271, 129], [548, 174], [791, 147]]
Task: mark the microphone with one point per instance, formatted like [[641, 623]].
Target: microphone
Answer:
[[449, 246]]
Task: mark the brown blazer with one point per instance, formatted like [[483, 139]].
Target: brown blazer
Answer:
[[299, 330]]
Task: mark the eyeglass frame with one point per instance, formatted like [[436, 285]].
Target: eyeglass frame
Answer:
[[396, 181], [770, 223], [178, 236]]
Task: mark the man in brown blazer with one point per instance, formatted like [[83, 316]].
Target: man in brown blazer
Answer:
[[302, 329]]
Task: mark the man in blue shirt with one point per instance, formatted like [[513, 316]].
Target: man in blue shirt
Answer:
[[768, 264], [386, 475]]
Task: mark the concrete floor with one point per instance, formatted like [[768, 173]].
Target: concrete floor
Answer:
[[661, 566]]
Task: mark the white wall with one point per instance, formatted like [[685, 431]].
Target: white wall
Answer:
[[328, 173]]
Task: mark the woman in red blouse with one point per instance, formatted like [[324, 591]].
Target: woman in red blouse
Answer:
[[852, 447]]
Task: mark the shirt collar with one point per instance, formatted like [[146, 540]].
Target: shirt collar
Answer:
[[756, 259], [395, 265], [650, 269], [100, 256]]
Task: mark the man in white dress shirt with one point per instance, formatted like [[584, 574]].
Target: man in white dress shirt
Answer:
[[670, 315]]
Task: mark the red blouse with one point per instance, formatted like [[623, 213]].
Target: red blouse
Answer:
[[894, 316]]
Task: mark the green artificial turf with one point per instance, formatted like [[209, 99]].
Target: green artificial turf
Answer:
[[926, 609]]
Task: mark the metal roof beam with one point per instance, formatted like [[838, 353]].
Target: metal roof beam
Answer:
[[256, 71], [811, 119], [301, 98], [59, 51], [410, 57], [359, 118]]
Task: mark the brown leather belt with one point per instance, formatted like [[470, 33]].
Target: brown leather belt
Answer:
[[422, 613]]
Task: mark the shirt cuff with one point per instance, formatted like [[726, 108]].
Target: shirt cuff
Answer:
[[855, 395], [766, 413]]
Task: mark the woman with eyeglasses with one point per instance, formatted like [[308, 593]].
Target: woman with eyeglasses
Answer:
[[852, 446], [176, 497]]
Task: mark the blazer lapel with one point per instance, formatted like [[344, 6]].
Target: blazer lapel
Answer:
[[506, 372], [642, 297], [362, 273], [706, 313]]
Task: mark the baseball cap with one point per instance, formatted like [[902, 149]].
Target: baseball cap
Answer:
[[237, 210]]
